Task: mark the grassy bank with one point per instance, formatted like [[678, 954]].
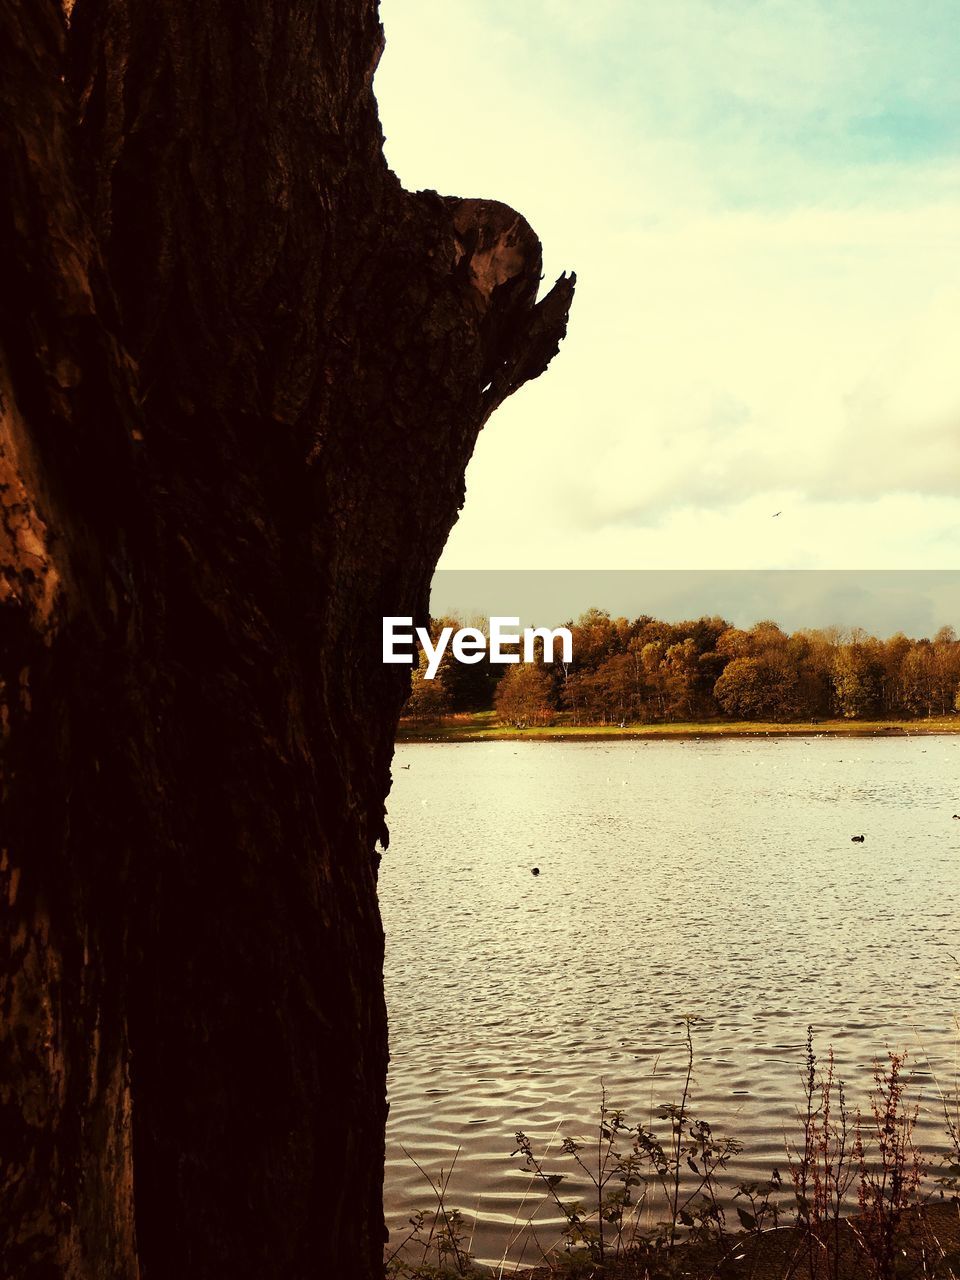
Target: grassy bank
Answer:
[[484, 726], [858, 1199]]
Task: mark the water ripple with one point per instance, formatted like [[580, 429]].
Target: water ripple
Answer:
[[711, 878]]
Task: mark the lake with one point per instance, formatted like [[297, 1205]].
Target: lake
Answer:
[[713, 878]]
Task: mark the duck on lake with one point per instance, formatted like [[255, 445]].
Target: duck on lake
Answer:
[[858, 839]]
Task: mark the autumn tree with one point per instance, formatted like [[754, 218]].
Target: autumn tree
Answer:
[[595, 636], [523, 696], [241, 373], [930, 674], [918, 691], [858, 677], [470, 685], [682, 663], [946, 669], [610, 694], [760, 688], [429, 697], [894, 650], [651, 658]]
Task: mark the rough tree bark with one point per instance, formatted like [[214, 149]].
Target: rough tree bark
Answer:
[[241, 374]]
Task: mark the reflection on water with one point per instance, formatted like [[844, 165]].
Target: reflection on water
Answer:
[[714, 878]]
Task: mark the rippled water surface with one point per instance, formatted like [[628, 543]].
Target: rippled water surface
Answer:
[[713, 878]]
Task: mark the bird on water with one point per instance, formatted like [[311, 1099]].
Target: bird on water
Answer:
[[534, 871], [858, 839]]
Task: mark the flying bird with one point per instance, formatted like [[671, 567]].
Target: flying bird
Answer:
[[775, 514]]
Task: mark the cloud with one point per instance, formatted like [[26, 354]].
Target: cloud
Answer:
[[880, 602], [764, 213]]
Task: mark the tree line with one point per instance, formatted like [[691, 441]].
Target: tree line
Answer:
[[646, 671]]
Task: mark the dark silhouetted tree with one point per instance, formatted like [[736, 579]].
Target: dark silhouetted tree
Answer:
[[241, 373]]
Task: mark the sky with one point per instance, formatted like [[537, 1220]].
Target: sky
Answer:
[[880, 602], [761, 201]]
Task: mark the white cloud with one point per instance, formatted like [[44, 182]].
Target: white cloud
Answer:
[[723, 359]]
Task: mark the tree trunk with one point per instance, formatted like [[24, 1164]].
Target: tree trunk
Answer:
[[241, 374]]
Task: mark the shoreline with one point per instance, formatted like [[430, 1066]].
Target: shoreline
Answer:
[[483, 726]]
